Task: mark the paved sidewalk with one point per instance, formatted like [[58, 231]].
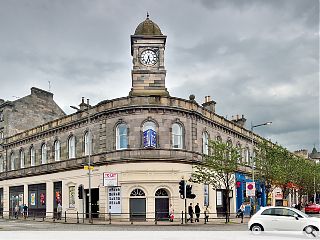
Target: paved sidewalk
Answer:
[[219, 221]]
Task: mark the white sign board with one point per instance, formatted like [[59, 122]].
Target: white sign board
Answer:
[[110, 179], [250, 189], [114, 199]]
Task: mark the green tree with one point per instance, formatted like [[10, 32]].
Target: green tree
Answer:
[[267, 161], [218, 169]]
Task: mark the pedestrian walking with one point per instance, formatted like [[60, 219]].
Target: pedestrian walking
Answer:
[[190, 211], [59, 211], [206, 214], [197, 211], [25, 211], [242, 208], [16, 211], [171, 214], [251, 209]]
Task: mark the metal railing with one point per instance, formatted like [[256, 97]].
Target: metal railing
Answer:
[[113, 218]]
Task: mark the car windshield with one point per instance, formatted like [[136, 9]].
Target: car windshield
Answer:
[[301, 213]]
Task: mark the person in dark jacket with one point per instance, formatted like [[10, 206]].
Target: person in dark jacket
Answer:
[[197, 211], [190, 211]]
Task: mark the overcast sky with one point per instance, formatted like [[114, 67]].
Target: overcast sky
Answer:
[[257, 58]]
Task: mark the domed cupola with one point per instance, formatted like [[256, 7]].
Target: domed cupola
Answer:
[[147, 50], [147, 27]]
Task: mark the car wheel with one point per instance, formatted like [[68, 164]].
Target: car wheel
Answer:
[[256, 228], [311, 231]]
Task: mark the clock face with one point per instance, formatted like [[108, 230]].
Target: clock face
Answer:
[[148, 57]]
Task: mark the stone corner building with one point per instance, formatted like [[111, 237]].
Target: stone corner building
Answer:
[[143, 144]]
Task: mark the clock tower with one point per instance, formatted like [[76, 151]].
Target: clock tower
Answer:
[[147, 50]]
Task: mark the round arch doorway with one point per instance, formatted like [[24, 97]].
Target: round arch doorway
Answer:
[[137, 205], [162, 204]]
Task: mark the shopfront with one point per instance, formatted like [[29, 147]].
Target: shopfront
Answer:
[[15, 198], [37, 199], [241, 193]]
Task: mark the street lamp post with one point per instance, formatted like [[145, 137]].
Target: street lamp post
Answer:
[[89, 161], [252, 158], [89, 156]]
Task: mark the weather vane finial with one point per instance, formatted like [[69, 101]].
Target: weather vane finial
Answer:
[[147, 15]]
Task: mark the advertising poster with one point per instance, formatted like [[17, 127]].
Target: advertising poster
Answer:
[[110, 179], [72, 200], [58, 197], [42, 199], [20, 199], [32, 199], [114, 199]]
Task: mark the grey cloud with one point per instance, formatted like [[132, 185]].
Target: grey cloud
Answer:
[[258, 58]]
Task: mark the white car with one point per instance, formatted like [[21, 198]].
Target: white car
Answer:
[[283, 219]]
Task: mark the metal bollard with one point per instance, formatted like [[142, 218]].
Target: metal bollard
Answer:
[[65, 216], [205, 218], [77, 217], [155, 218], [109, 218], [34, 216], [43, 216], [182, 217]]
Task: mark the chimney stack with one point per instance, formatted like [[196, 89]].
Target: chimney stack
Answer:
[[239, 121], [209, 104]]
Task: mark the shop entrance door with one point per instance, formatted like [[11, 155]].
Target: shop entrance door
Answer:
[[221, 202], [94, 202], [138, 209]]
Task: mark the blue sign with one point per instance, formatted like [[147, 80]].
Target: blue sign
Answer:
[[149, 138]]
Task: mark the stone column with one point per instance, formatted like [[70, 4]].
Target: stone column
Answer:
[[103, 208], [49, 199], [6, 201]]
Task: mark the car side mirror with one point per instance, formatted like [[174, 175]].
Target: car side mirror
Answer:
[[296, 216]]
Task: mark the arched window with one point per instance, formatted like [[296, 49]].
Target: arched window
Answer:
[[149, 134], [161, 193], [246, 156], [229, 144], [72, 147], [239, 160], [21, 159], [122, 136], [44, 154], [32, 156], [137, 193], [177, 137], [205, 143], [12, 161], [1, 164], [57, 154], [87, 143]]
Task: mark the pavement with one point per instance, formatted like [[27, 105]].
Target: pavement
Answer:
[[102, 225]]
